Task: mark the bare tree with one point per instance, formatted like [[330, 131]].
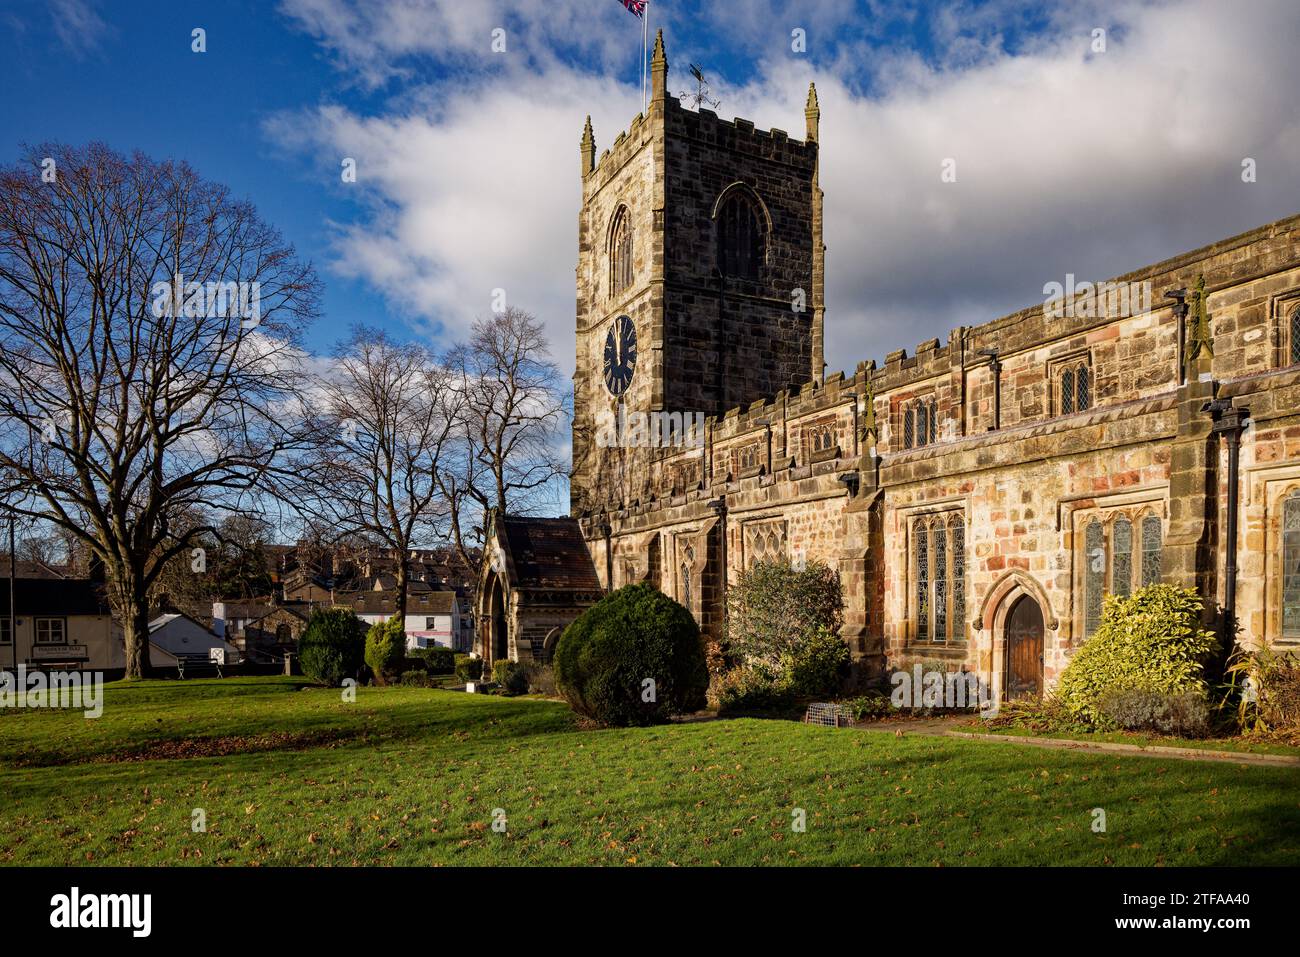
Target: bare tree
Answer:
[[377, 476], [509, 411], [148, 357]]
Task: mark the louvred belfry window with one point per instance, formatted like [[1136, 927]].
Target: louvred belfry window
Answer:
[[620, 262], [740, 237]]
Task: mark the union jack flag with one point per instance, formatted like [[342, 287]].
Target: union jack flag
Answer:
[[635, 7]]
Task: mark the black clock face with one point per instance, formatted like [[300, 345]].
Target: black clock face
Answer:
[[620, 355]]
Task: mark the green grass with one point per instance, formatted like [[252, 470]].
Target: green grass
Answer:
[[412, 776]]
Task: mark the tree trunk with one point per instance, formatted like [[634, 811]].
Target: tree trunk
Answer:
[[401, 590], [132, 611]]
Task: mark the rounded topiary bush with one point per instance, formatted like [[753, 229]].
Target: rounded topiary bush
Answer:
[[386, 649], [469, 669], [332, 646], [1151, 641], [633, 658]]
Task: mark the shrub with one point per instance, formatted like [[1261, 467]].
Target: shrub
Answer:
[[386, 649], [541, 679], [1277, 677], [1186, 714], [818, 666], [868, 707], [1149, 641], [604, 658], [332, 646], [469, 669], [511, 676], [748, 690], [1047, 715], [774, 608], [434, 659], [416, 679]]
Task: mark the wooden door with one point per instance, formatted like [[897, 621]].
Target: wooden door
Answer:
[[1025, 649]]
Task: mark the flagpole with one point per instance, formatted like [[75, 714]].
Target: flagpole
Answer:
[[645, 31]]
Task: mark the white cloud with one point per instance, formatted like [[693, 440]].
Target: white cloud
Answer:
[[1067, 161], [77, 25]]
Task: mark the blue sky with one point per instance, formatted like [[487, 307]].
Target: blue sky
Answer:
[[1069, 160]]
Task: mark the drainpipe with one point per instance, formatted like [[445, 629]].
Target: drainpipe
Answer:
[[1180, 308], [1229, 421]]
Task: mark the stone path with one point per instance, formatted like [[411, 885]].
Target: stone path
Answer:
[[949, 727]]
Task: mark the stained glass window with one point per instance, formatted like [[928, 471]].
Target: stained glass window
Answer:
[[1083, 397], [1150, 550], [959, 579], [922, 582], [1067, 391], [1295, 335], [909, 433], [1291, 566], [940, 567], [1094, 548], [1121, 576]]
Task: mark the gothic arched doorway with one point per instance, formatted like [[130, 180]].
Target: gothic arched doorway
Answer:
[[1024, 642], [498, 643]]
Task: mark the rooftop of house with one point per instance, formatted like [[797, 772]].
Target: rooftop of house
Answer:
[[54, 597]]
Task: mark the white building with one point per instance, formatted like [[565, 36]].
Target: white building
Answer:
[[171, 635], [433, 618]]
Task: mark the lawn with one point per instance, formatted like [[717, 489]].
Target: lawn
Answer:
[[412, 776]]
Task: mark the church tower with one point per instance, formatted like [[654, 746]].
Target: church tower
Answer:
[[699, 280]]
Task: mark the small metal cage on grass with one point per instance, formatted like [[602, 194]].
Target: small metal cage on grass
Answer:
[[828, 715]]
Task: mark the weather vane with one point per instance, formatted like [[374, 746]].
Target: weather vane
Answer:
[[701, 94]]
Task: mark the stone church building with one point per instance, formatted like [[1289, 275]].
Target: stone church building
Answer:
[[980, 496]]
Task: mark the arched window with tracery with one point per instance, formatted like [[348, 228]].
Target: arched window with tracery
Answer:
[[939, 567], [741, 236], [1291, 566], [620, 252], [1121, 553]]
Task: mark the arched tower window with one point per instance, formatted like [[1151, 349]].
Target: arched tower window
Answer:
[[620, 252], [741, 236]]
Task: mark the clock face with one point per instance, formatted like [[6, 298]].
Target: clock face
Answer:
[[620, 355]]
